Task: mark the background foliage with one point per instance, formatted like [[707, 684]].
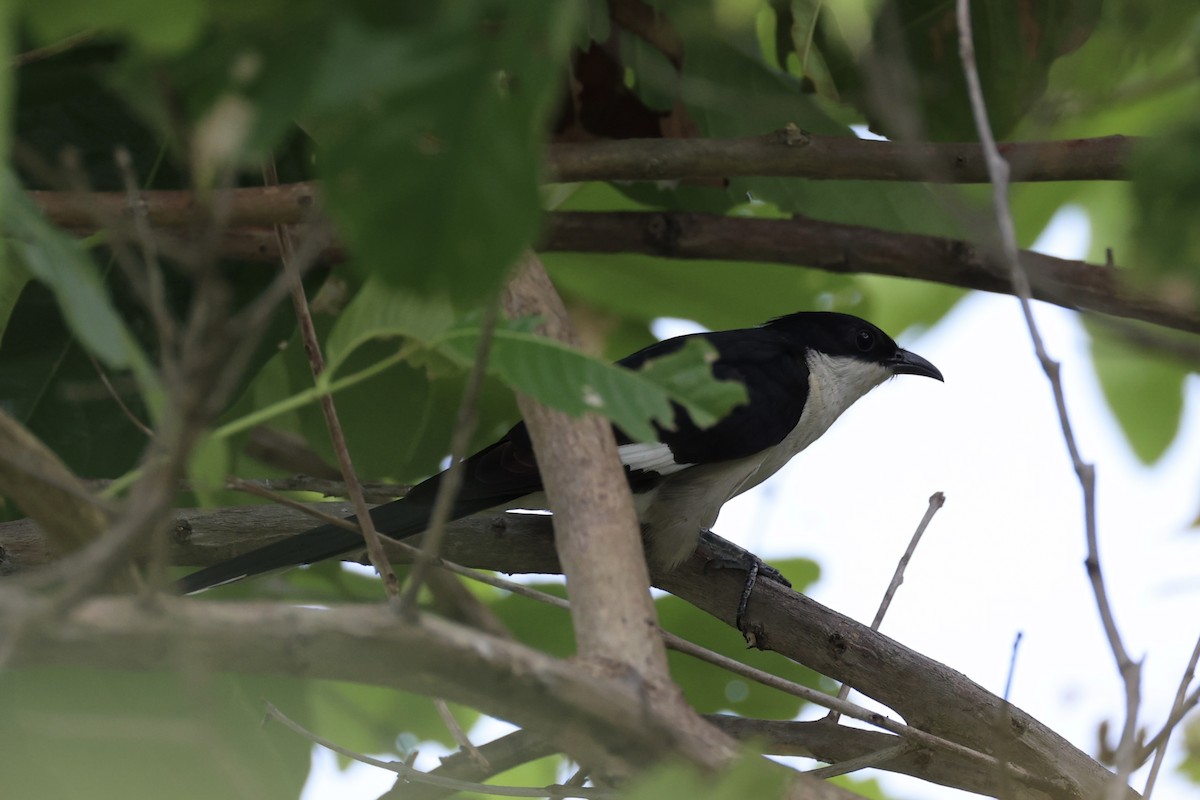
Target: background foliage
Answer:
[[425, 124]]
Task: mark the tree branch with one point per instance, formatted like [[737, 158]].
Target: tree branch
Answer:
[[597, 535], [828, 246], [852, 249], [801, 241], [796, 153], [923, 692]]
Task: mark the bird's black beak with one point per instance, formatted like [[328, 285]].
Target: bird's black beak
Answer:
[[906, 363]]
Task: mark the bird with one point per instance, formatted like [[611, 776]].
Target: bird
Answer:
[[801, 371]]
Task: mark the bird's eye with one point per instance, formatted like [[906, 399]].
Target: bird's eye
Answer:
[[865, 340]]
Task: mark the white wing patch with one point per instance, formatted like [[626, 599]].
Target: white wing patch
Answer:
[[650, 456]]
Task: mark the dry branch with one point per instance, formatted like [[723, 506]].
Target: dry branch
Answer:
[[851, 249], [794, 153], [800, 241], [923, 692]]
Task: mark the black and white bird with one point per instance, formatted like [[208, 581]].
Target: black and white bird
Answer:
[[801, 371]]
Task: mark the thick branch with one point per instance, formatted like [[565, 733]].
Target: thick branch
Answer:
[[856, 249], [833, 247], [830, 742], [597, 536], [925, 693], [801, 241], [598, 721], [794, 153]]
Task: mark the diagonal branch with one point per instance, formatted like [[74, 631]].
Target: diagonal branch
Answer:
[[849, 249], [795, 153], [926, 694], [999, 172]]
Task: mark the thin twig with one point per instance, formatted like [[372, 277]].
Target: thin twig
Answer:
[[155, 294], [116, 396], [936, 501], [451, 481], [54, 48], [998, 169], [1159, 743], [417, 776], [862, 762], [316, 361], [1004, 726], [460, 736]]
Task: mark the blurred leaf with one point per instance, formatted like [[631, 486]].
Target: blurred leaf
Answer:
[[809, 61], [555, 374], [441, 136], [1166, 193], [13, 278], [914, 60], [52, 387], [711, 689], [60, 262], [207, 468], [161, 27], [536, 624], [1144, 391], [864, 787], [370, 719], [1190, 766], [897, 304], [720, 294], [750, 776], [732, 94], [73, 732]]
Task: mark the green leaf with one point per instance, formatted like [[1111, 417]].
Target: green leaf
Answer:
[[1144, 391], [437, 126], [61, 263], [13, 278], [187, 735], [207, 468], [1191, 743], [555, 374], [570, 381], [1166, 191], [156, 26], [644, 288], [370, 719], [1015, 46], [750, 776]]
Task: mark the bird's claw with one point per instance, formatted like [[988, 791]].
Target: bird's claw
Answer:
[[723, 554]]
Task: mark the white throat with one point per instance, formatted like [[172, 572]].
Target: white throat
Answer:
[[834, 384]]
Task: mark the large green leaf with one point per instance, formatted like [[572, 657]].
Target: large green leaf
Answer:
[[749, 776], [370, 719], [555, 374], [1144, 391], [918, 75], [1166, 193], [160, 27], [435, 126], [77, 732], [61, 263]]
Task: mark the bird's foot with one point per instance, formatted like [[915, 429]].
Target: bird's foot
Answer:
[[724, 554]]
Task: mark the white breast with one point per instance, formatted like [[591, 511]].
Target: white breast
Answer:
[[834, 384]]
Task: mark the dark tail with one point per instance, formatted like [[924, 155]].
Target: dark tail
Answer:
[[396, 520]]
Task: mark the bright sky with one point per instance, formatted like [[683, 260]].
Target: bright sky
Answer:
[[1005, 555]]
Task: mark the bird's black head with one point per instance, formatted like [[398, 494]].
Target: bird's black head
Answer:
[[845, 336]]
